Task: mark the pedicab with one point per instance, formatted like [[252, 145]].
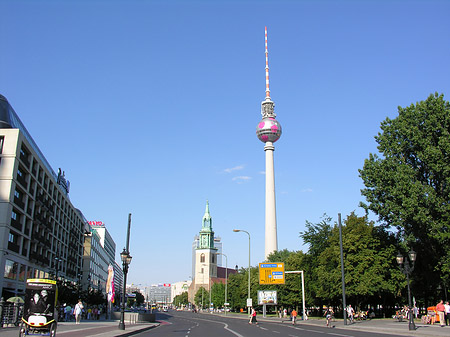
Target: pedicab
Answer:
[[39, 317]]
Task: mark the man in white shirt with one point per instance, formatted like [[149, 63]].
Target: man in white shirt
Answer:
[[447, 313]]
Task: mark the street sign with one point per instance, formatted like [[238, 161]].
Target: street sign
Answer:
[[271, 273], [249, 302]]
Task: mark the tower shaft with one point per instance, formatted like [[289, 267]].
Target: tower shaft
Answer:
[[271, 242]]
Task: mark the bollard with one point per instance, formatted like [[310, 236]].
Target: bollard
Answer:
[[2, 303], [16, 314]]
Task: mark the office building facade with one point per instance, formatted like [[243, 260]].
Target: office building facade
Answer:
[[41, 231]]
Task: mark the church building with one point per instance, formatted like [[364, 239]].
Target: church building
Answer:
[[206, 270]]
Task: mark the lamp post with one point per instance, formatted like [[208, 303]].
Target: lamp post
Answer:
[[407, 269], [57, 259], [226, 281], [241, 230], [126, 260]]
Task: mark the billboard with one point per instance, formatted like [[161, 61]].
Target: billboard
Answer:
[[268, 297]]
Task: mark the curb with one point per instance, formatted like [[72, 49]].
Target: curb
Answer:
[[137, 331]]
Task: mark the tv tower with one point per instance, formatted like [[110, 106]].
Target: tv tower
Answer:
[[269, 131]]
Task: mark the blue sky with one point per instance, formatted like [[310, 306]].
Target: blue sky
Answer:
[[151, 108]]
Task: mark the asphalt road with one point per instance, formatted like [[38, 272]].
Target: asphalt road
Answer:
[[184, 324]]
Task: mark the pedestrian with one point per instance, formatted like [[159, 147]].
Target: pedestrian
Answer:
[[67, 312], [285, 313], [440, 308], [329, 313], [294, 316], [78, 311], [89, 311], [447, 313], [350, 313], [253, 317]]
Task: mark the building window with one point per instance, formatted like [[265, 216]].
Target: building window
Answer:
[[13, 215], [212, 258], [202, 258], [10, 269], [22, 272]]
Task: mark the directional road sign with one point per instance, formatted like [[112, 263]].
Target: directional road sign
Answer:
[[271, 273]]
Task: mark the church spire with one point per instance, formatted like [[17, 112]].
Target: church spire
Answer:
[[207, 220], [206, 235]]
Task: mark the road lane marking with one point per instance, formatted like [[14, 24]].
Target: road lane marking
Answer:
[[225, 326]]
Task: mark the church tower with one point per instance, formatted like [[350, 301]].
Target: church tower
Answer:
[[205, 254]]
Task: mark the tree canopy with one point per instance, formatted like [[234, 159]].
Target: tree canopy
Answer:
[[408, 185]]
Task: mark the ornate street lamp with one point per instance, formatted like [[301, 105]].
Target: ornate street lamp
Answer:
[[126, 260], [407, 269]]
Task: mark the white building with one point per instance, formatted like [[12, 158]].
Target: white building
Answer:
[[179, 287], [41, 231]]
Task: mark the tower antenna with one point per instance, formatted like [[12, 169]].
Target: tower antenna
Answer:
[[267, 68]]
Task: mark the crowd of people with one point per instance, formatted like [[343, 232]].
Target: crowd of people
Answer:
[[80, 311]]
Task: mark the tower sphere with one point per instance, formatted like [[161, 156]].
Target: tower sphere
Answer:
[[268, 130]]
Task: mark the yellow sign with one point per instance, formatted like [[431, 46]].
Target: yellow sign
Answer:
[[271, 273]]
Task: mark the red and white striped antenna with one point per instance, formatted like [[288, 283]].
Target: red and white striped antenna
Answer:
[[267, 68]]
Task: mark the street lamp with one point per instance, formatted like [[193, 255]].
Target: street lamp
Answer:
[[407, 269], [57, 260], [126, 260], [241, 230], [226, 281]]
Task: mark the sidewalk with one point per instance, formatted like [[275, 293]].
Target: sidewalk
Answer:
[[378, 325], [101, 328]]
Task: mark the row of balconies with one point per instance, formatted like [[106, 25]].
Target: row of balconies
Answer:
[[48, 211], [39, 258]]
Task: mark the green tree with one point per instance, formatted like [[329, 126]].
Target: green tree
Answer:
[[316, 236], [181, 299], [408, 187], [371, 274], [140, 299], [218, 295], [235, 289], [201, 298]]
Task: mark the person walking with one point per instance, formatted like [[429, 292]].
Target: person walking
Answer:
[[78, 311], [447, 313], [294, 316], [440, 308], [329, 315], [253, 317], [350, 313]]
